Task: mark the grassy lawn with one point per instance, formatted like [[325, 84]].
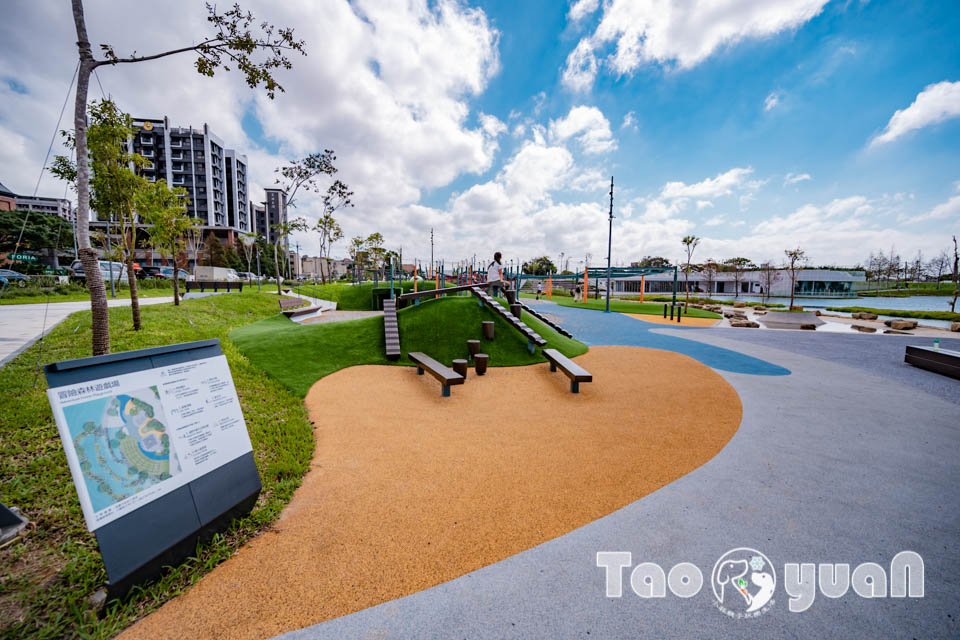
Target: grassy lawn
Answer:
[[901, 313], [624, 306], [439, 328], [35, 297], [47, 577]]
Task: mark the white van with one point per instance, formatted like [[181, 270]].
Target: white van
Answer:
[[119, 270], [215, 274]]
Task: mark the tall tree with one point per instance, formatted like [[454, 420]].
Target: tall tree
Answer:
[[235, 39], [374, 247], [113, 186], [690, 244], [165, 210], [539, 266], [795, 261], [358, 253], [41, 232], [216, 255]]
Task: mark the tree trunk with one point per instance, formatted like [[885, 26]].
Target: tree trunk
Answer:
[[276, 267], [176, 287], [88, 255], [134, 300]]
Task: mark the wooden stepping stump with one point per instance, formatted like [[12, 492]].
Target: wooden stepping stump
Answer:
[[473, 346], [480, 363], [460, 366], [487, 329]]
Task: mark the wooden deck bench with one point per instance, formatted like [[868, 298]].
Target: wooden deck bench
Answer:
[[391, 330], [290, 303], [445, 375], [943, 361], [571, 369]]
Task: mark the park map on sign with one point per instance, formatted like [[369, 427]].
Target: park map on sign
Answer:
[[122, 445]]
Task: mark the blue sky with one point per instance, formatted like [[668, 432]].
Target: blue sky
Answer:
[[758, 126]]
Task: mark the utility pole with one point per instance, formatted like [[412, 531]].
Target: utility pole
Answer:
[[431, 248], [259, 277], [609, 244]]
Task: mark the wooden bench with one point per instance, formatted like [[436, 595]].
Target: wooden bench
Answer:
[[290, 303], [943, 361], [571, 369], [203, 285], [445, 375]]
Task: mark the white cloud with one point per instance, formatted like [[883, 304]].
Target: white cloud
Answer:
[[703, 204], [948, 209], [772, 100], [715, 221], [629, 121], [723, 184], [588, 126], [794, 178], [936, 103], [581, 9], [681, 33]]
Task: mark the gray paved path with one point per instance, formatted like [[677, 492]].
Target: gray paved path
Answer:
[[23, 324], [841, 461]]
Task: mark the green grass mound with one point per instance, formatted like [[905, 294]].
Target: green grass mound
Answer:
[[299, 355]]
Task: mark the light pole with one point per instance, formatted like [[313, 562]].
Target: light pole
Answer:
[[609, 244]]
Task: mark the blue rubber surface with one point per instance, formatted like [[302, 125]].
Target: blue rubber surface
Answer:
[[599, 328]]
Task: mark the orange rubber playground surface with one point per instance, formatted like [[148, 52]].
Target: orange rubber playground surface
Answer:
[[408, 489]]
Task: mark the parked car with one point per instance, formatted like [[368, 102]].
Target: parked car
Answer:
[[149, 272], [166, 273], [119, 270], [14, 278], [247, 276]]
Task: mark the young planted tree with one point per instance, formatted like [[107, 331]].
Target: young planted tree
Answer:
[[235, 39], [796, 258], [113, 186], [358, 254], [216, 255], [282, 230], [939, 264], [376, 252], [737, 266], [767, 278], [165, 209], [710, 275], [337, 197], [956, 276], [248, 243], [690, 244]]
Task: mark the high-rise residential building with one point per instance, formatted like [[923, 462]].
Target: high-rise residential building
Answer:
[[214, 176], [272, 211], [196, 159]]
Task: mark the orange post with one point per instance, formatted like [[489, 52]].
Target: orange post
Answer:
[[549, 286], [414, 278], [436, 274], [586, 285], [641, 287]]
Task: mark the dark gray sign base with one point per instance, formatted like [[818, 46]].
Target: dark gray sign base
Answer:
[[166, 531]]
